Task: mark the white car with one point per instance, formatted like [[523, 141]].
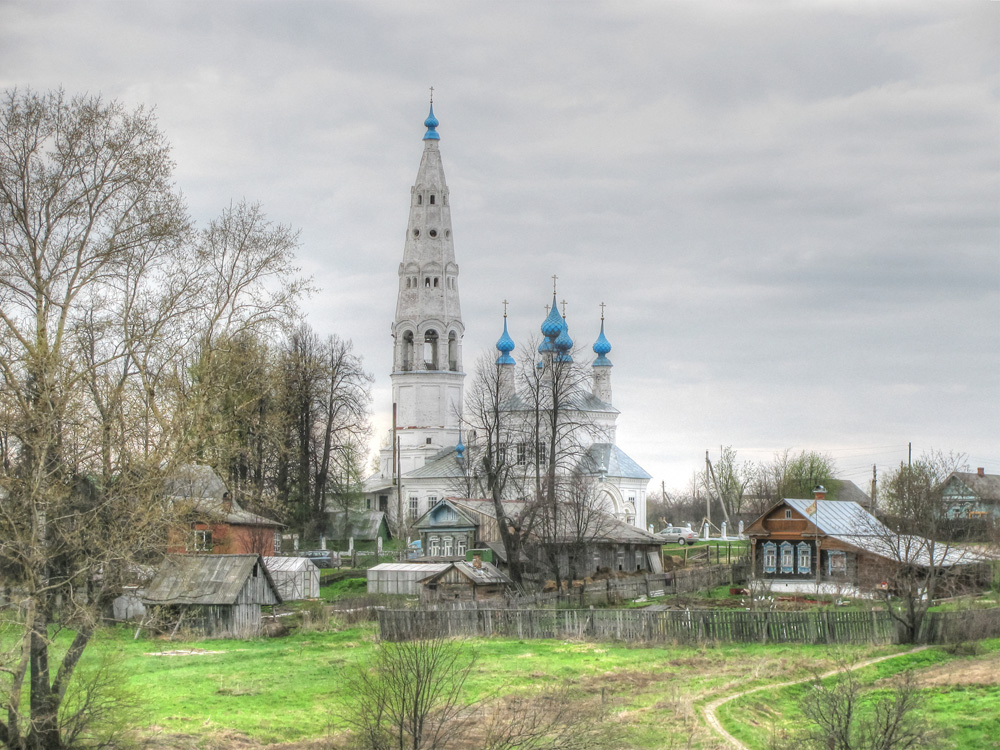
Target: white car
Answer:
[[677, 535]]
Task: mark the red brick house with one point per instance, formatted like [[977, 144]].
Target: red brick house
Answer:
[[210, 521]]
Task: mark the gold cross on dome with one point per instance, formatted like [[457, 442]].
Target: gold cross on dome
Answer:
[[602, 311], [505, 308], [432, 94], [554, 277], [564, 308]]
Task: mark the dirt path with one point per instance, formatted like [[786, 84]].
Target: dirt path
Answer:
[[710, 708]]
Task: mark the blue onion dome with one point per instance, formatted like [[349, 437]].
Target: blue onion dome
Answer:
[[601, 348], [431, 124], [546, 347], [505, 346], [460, 449], [563, 344], [552, 326]]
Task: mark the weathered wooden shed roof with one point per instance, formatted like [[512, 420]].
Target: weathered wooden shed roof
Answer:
[[484, 574], [204, 579]]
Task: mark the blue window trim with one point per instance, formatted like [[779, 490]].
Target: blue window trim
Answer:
[[773, 549], [787, 547], [840, 555], [804, 558]]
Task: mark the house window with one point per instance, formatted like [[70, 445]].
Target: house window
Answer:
[[414, 508], [383, 503], [446, 546], [435, 546], [836, 563], [542, 454], [277, 542], [368, 503], [621, 559], [787, 558], [770, 557], [805, 558], [788, 514], [431, 502], [201, 540], [522, 454], [460, 546]]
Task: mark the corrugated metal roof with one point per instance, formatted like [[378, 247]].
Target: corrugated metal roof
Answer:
[[612, 461], [203, 579], [838, 518], [286, 564], [986, 487], [410, 567], [486, 574]]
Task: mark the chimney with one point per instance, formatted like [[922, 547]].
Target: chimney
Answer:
[[477, 561], [227, 503], [981, 471], [819, 492]]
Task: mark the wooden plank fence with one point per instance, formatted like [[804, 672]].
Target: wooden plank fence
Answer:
[[682, 626]]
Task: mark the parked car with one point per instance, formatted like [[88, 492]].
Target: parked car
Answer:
[[677, 535], [321, 558]]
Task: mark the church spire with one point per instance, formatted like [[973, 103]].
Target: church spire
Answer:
[[427, 330]]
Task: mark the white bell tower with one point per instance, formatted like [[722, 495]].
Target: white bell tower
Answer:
[[427, 374]]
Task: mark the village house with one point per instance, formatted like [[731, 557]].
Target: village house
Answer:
[[971, 495], [838, 542], [605, 544], [211, 521], [214, 596]]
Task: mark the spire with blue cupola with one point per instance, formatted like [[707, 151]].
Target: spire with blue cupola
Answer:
[[505, 345], [601, 367]]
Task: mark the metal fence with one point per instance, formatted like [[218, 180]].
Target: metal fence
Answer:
[[684, 626]]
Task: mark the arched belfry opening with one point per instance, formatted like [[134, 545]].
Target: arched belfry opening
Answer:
[[453, 351], [431, 350], [406, 353]]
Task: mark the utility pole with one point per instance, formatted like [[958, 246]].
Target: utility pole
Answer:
[[909, 455], [874, 486], [708, 493]]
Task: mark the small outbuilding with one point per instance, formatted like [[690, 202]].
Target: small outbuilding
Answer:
[[465, 581], [215, 596], [401, 578], [294, 577]]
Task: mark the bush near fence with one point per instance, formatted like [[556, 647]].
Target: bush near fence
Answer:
[[684, 626]]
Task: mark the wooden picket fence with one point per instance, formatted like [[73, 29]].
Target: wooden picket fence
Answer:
[[683, 626]]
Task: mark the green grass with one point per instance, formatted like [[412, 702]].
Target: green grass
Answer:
[[966, 717], [288, 689], [343, 589]]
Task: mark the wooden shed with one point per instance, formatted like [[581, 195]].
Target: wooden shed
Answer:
[[465, 581], [216, 596], [295, 577]]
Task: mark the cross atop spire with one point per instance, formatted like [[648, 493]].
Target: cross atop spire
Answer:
[[602, 311], [564, 309], [554, 277], [505, 308], [432, 96]]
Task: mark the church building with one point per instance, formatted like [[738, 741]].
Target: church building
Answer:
[[425, 458]]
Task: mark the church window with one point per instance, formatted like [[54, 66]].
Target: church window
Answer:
[[432, 199], [427, 441], [432, 501], [447, 232], [522, 454], [453, 352], [420, 200], [541, 453], [414, 282], [407, 282], [431, 350], [433, 233], [416, 232], [414, 508], [436, 280], [427, 282]]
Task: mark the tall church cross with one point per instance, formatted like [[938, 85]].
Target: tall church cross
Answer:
[[505, 308], [554, 277], [564, 308], [602, 311], [432, 94]]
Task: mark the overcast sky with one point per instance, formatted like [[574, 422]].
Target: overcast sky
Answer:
[[792, 210]]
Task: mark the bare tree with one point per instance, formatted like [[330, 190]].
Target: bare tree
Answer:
[[551, 720], [843, 715], [410, 694], [103, 292]]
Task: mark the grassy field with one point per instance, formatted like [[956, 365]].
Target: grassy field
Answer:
[[216, 694]]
